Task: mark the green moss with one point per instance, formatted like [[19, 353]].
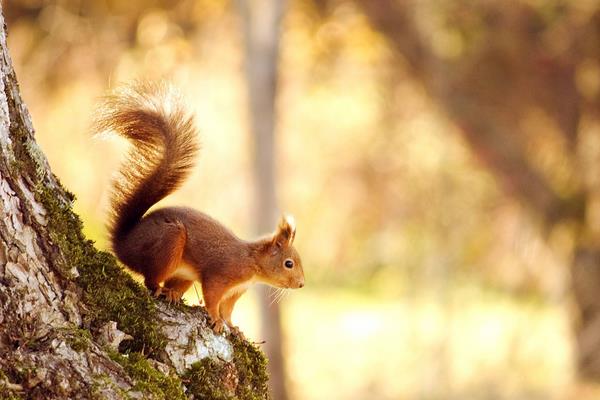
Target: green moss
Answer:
[[5, 392], [37, 158], [204, 381], [251, 365], [79, 339], [112, 295], [148, 379], [245, 378], [101, 382]]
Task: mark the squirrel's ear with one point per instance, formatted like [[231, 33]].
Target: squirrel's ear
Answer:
[[286, 231]]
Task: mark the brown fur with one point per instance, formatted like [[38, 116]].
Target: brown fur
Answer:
[[178, 245]]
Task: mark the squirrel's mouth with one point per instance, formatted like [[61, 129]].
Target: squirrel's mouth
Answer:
[[289, 284], [296, 285]]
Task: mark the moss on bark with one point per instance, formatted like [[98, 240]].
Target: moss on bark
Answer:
[[6, 393], [110, 294], [148, 380], [243, 378], [251, 366]]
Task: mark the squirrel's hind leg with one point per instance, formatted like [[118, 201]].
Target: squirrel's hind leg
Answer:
[[164, 256]]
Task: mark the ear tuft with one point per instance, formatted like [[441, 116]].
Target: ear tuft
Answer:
[[291, 225], [286, 231]]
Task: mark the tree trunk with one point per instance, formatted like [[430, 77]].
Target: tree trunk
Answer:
[[586, 289], [261, 21], [72, 323]]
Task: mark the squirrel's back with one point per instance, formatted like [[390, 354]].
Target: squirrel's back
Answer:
[[164, 147]]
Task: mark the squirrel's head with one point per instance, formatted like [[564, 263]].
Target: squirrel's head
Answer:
[[279, 262]]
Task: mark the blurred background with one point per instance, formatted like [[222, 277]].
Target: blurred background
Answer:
[[442, 160]]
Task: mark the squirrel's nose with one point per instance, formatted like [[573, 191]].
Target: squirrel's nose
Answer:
[[301, 284]]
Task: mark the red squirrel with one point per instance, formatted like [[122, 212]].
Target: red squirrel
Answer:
[[176, 246]]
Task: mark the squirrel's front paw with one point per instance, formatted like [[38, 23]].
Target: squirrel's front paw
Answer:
[[172, 295], [217, 326]]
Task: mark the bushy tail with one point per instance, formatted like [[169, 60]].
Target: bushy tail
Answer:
[[164, 142]]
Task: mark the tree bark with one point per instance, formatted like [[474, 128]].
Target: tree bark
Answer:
[[261, 20], [73, 324]]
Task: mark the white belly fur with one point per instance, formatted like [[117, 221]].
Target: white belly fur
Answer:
[[187, 272], [238, 289]]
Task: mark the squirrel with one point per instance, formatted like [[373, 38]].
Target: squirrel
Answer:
[[175, 246]]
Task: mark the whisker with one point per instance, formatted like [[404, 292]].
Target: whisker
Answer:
[[282, 294], [275, 293], [197, 295]]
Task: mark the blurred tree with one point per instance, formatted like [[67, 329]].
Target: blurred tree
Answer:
[[261, 21], [494, 66], [74, 38]]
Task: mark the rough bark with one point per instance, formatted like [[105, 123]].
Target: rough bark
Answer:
[[261, 20], [73, 324]]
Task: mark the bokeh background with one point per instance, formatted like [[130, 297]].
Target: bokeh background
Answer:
[[442, 160]]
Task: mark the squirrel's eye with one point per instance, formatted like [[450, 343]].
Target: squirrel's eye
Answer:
[[289, 263]]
